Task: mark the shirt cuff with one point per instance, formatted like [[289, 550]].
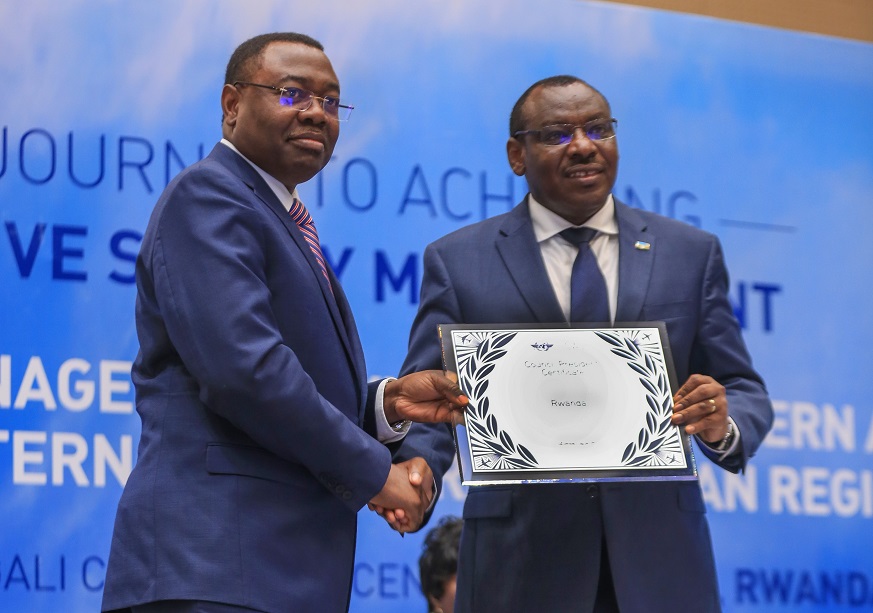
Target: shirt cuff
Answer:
[[385, 433], [735, 443]]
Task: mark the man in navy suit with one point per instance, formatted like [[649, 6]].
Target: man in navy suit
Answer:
[[261, 438], [641, 547]]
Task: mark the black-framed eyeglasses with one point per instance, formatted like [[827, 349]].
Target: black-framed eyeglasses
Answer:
[[300, 99], [562, 133]]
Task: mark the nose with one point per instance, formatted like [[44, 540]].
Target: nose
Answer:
[[580, 139], [580, 144], [315, 112]]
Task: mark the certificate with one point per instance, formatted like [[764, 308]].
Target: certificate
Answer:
[[566, 404]]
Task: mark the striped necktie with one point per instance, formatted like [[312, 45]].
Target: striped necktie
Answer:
[[304, 221]]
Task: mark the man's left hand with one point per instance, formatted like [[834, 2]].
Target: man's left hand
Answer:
[[701, 404]]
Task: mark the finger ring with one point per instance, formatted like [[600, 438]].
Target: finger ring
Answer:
[[712, 407]]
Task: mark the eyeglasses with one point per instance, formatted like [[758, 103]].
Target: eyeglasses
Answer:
[[301, 99], [562, 133]]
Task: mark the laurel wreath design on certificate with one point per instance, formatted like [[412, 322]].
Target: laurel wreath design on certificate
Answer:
[[658, 443], [492, 448]]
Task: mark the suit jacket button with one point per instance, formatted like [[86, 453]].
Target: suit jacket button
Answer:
[[592, 491], [347, 495]]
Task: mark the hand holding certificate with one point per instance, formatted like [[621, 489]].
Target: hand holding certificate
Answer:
[[568, 404]]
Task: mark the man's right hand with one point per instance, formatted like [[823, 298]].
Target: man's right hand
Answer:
[[428, 396], [406, 495]]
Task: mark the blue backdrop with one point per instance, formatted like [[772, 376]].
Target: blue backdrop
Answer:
[[762, 136]]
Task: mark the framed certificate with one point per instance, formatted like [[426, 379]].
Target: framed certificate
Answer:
[[569, 404]]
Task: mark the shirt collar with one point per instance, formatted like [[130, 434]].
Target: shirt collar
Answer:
[[547, 223], [285, 197]]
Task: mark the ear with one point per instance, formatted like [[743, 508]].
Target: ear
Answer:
[[433, 604], [515, 153], [230, 104]]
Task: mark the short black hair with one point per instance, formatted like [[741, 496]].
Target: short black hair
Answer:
[[245, 57], [516, 119], [439, 556]]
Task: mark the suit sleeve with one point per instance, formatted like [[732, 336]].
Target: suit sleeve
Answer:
[[210, 267], [720, 352], [433, 442]]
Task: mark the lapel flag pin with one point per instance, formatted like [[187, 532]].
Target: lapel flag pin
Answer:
[[642, 246]]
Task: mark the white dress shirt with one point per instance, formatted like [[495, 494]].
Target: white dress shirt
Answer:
[[559, 254]]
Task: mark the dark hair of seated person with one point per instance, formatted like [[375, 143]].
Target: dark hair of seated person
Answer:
[[438, 563]]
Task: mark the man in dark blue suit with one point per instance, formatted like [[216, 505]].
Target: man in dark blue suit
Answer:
[[261, 438], [641, 547]]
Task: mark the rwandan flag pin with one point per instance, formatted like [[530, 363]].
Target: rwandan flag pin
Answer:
[[642, 246]]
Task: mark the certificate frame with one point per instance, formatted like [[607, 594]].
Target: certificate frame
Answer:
[[631, 357]]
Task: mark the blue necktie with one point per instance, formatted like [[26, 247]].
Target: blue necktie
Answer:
[[304, 221], [588, 298]]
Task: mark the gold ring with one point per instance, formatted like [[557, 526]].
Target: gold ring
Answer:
[[712, 407]]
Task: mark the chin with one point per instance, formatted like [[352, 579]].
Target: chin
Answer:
[[302, 170]]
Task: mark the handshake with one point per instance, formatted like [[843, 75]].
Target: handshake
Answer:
[[406, 495], [431, 397]]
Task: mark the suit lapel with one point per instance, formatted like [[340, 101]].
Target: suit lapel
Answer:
[[634, 264], [521, 254], [356, 350], [331, 298], [250, 177]]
